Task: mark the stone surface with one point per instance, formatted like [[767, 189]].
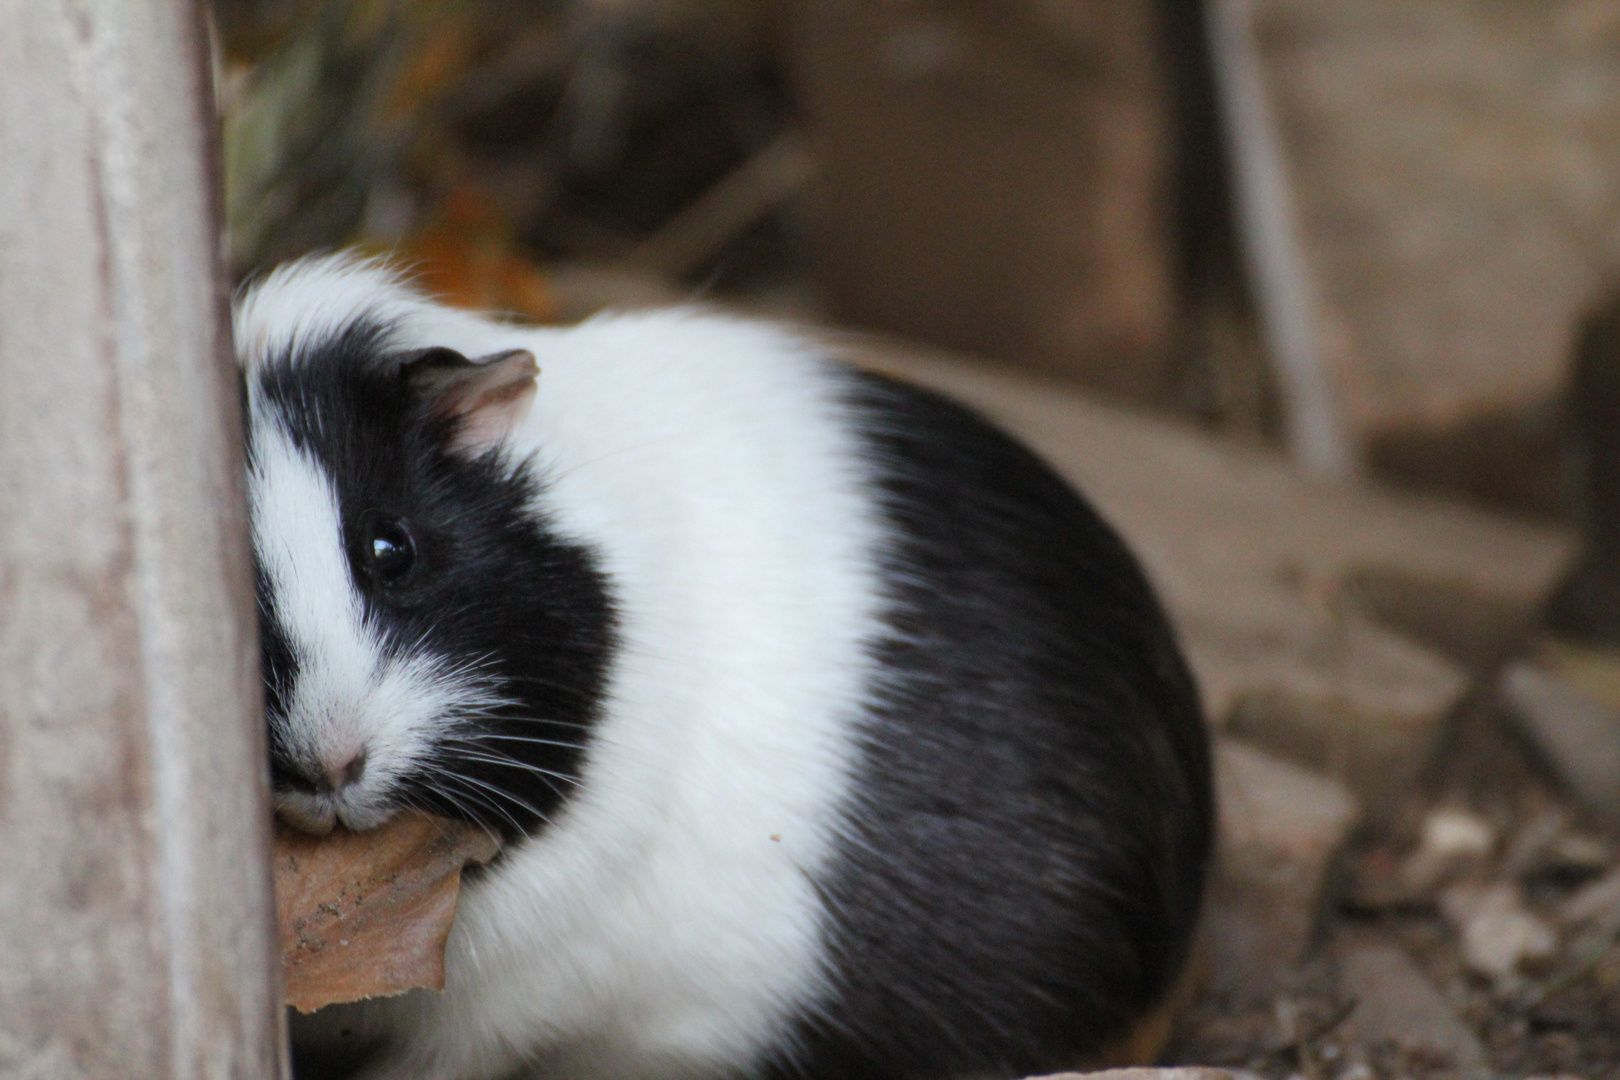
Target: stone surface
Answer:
[[1395, 1003], [992, 177], [1578, 734], [1280, 827], [1457, 171], [1255, 561]]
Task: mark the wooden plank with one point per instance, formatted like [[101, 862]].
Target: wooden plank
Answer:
[[136, 930]]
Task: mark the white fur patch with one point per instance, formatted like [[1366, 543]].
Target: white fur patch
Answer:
[[665, 925]]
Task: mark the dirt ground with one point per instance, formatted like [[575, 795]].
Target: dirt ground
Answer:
[[1563, 1018]]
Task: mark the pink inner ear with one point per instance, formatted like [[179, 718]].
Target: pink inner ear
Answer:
[[488, 399]]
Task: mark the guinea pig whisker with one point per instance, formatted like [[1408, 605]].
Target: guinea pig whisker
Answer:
[[444, 769], [475, 665], [466, 746], [502, 711], [470, 754], [480, 800], [455, 801], [507, 795], [480, 736], [562, 688], [495, 710], [552, 723], [412, 802], [545, 774]]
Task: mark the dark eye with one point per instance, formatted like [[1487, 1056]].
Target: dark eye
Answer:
[[389, 550]]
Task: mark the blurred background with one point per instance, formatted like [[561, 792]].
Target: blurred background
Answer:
[[1316, 298], [1037, 182]]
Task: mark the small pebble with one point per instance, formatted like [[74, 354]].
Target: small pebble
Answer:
[[1455, 832], [1453, 840], [1499, 934]]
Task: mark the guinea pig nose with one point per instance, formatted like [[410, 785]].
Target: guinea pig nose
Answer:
[[341, 775]]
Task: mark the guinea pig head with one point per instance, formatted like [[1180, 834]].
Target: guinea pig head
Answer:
[[427, 639]]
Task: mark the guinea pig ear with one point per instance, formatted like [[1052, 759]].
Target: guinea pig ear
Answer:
[[486, 397]]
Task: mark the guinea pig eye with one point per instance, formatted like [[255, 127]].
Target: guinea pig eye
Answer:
[[389, 550]]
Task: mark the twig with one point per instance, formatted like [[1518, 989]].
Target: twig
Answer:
[[756, 187], [1298, 1042], [1588, 951]]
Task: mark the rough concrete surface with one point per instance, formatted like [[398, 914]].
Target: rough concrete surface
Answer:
[[1280, 828], [989, 177], [1455, 165], [1577, 734], [1396, 1004]]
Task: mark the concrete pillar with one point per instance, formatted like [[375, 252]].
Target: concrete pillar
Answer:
[[135, 903]]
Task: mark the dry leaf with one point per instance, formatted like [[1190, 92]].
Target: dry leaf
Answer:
[[468, 257], [367, 914]]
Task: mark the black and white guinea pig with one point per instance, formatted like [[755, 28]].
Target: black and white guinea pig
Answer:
[[832, 734]]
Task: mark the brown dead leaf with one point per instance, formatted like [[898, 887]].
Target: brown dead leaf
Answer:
[[468, 257], [368, 914]]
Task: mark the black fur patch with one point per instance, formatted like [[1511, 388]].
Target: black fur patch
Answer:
[[491, 588], [1023, 863]]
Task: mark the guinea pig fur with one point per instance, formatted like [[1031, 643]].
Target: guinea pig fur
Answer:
[[831, 733]]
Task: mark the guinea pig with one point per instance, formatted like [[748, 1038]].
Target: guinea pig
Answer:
[[831, 734]]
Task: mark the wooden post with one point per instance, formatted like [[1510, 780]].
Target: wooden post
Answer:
[[135, 903]]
